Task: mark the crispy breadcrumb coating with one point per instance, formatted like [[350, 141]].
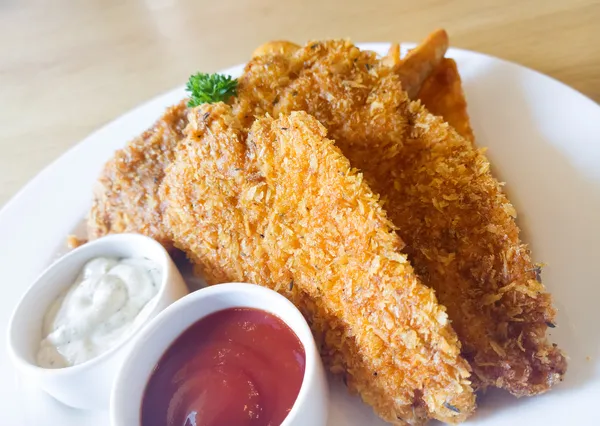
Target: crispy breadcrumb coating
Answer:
[[282, 207], [438, 190], [126, 194]]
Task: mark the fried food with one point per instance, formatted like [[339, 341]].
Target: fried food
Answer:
[[280, 47], [438, 191], [420, 62], [442, 94], [281, 206], [437, 188], [463, 241], [414, 69], [126, 194], [392, 57], [125, 197]]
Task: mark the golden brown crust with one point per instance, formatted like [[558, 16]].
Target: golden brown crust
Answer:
[[280, 47], [284, 209], [464, 242], [126, 194], [439, 192], [442, 94], [73, 241], [437, 188], [420, 62]]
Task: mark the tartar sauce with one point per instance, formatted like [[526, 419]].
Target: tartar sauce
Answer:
[[105, 303]]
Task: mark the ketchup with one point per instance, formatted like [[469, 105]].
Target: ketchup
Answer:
[[236, 367]]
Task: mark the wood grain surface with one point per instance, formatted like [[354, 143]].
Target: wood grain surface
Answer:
[[68, 67]]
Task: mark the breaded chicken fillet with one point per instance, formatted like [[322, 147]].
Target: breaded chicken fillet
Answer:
[[438, 191], [126, 194], [282, 207]]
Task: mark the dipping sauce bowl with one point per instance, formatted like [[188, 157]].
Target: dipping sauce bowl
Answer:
[[87, 385], [212, 307]]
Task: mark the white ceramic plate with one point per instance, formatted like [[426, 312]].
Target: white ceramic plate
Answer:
[[544, 141]]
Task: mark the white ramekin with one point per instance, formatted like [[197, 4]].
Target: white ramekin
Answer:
[[311, 406], [87, 385]]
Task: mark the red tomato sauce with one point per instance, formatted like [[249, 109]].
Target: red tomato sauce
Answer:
[[238, 367]]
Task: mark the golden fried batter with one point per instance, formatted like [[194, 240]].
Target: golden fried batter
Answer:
[[126, 194], [436, 187], [284, 209], [280, 47], [438, 190], [421, 61], [442, 94]]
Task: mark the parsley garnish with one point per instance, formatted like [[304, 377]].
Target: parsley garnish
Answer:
[[210, 88]]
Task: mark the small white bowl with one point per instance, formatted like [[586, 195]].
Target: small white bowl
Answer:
[[311, 406], [87, 385]]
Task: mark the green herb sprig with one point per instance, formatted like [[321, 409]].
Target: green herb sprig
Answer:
[[209, 88]]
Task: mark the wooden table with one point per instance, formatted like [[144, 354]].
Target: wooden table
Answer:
[[68, 67]]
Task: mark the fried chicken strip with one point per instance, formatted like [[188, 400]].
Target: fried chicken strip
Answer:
[[438, 191], [125, 197], [126, 194], [284, 209], [471, 258]]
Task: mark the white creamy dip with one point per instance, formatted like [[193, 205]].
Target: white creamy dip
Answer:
[[105, 303]]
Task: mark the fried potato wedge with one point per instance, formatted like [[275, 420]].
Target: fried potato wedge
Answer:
[[442, 94], [420, 62]]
